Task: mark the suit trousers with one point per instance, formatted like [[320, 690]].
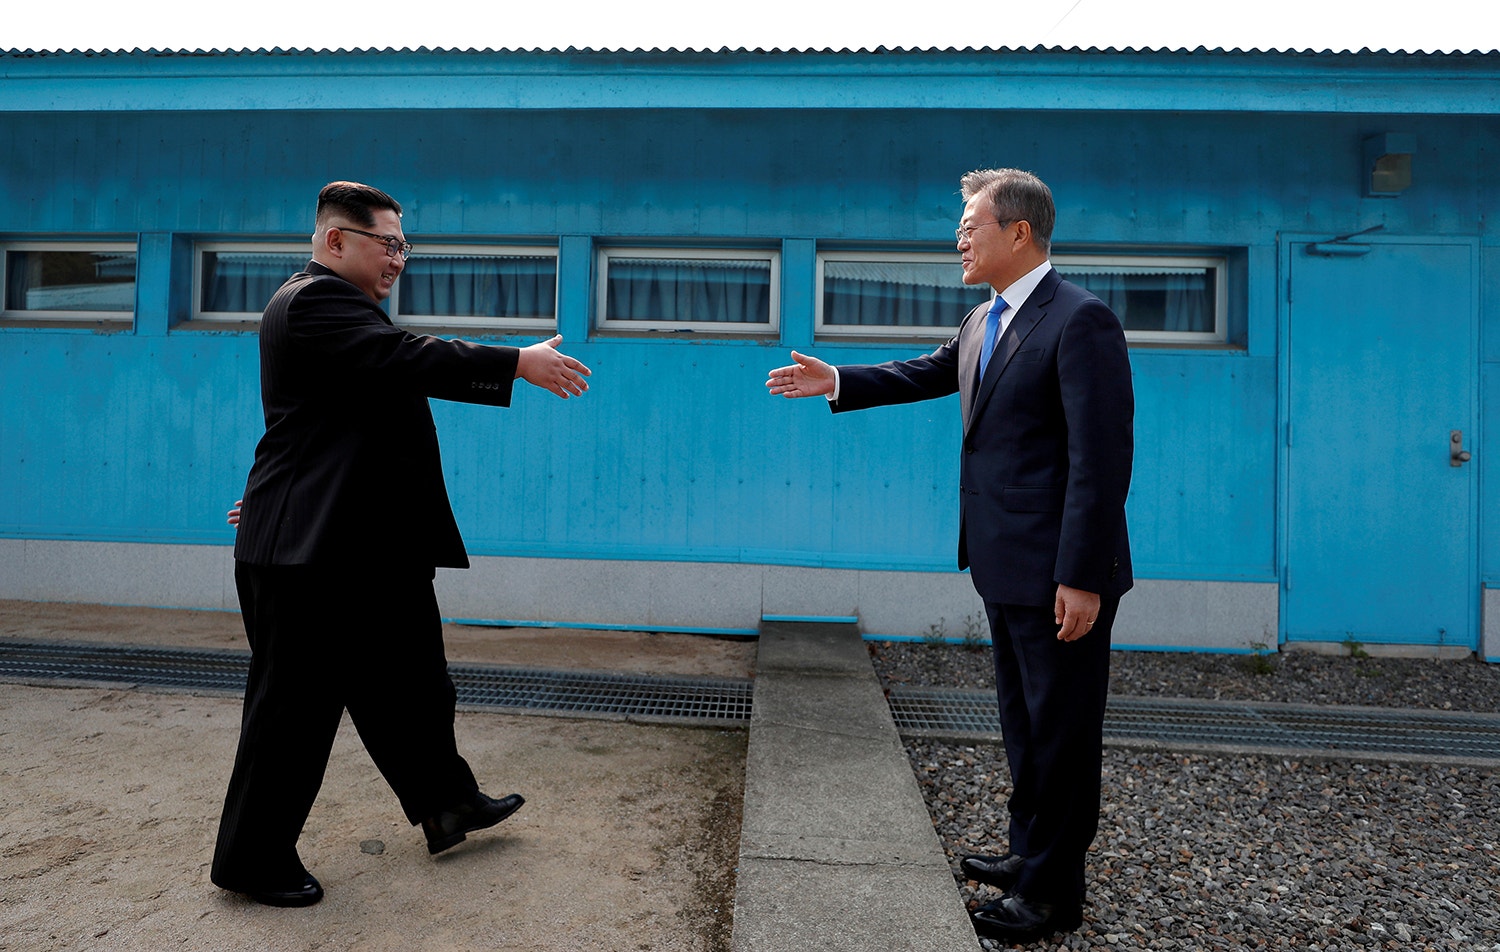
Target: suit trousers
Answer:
[[1052, 696], [323, 640]]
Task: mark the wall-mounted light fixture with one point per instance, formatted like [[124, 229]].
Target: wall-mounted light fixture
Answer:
[[1387, 164]]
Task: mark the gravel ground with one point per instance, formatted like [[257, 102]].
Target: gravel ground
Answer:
[[1294, 677], [1222, 851]]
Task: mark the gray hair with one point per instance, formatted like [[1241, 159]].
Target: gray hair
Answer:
[[1015, 195]]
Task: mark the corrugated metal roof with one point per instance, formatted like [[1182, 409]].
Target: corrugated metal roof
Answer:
[[778, 51], [1038, 77]]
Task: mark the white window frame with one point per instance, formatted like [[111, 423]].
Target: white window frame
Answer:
[[1145, 262], [530, 323], [94, 247], [289, 248], [872, 332], [771, 328], [393, 304], [1148, 263]]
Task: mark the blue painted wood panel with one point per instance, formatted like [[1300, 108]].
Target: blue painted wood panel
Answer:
[[1489, 416], [678, 453], [121, 438], [1171, 80], [1380, 525], [708, 466], [1119, 179]]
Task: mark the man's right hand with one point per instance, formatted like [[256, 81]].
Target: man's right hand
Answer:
[[808, 377]]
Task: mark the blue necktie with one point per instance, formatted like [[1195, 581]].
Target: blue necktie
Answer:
[[991, 331]]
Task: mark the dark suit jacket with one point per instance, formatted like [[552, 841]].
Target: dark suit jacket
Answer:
[[1047, 447], [348, 471]]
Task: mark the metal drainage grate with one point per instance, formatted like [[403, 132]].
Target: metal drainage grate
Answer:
[[1193, 723], [149, 667], [518, 689], [698, 699]]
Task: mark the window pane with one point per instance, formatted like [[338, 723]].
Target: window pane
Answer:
[[724, 290], [243, 281], [70, 281], [519, 286], [1150, 298], [896, 294]]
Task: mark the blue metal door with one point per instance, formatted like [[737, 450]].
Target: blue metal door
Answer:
[[1380, 539]]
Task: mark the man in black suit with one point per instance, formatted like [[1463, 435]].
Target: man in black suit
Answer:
[[345, 520], [1044, 387]]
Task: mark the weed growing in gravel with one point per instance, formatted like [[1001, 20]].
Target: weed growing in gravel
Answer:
[[1258, 661], [1357, 651], [936, 634], [974, 630]]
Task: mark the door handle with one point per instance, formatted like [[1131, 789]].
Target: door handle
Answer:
[[1457, 455]]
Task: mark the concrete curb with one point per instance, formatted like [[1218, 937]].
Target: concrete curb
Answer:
[[836, 848]]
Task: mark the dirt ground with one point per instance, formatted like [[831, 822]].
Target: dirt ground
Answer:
[[564, 649], [109, 802]]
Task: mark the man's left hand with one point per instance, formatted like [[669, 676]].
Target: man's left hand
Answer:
[[1076, 611]]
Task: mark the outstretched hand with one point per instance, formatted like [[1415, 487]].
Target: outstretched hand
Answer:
[[808, 377], [543, 365]]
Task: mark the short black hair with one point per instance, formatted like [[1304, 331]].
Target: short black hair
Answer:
[[353, 201]]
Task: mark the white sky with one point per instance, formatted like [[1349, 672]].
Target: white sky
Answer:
[[1411, 25]]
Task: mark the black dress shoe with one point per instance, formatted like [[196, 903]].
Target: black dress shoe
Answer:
[[304, 893], [450, 827], [1014, 918], [1002, 871]]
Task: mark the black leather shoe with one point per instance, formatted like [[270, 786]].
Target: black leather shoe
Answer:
[[304, 893], [1014, 918], [1002, 871], [450, 827]]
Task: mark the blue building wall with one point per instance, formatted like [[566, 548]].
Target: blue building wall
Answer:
[[143, 435]]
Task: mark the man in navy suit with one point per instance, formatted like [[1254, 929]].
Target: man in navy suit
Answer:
[[345, 519], [1044, 387]]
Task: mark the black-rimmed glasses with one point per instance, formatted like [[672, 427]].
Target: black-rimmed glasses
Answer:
[[393, 245]]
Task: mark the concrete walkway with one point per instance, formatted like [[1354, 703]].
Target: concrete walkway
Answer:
[[836, 848]]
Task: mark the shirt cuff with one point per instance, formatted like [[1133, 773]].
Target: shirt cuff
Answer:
[[834, 397]]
